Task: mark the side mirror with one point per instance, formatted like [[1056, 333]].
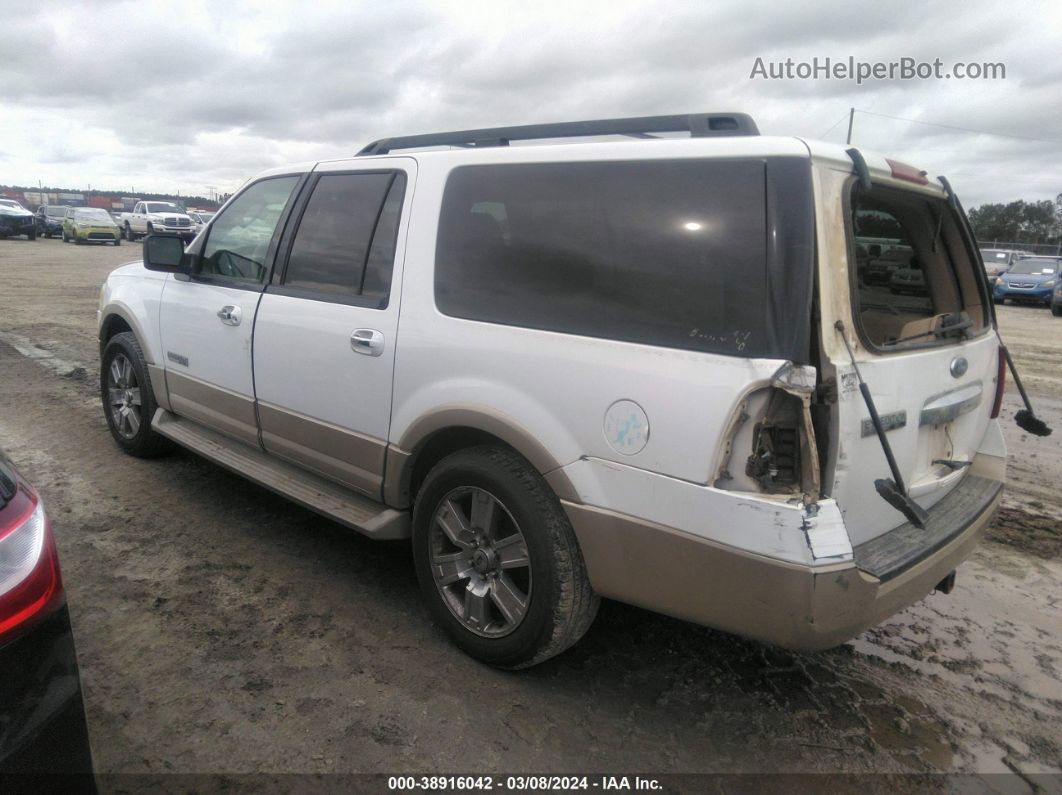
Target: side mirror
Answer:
[[165, 253]]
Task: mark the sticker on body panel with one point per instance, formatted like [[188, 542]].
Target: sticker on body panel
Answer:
[[849, 383], [626, 427]]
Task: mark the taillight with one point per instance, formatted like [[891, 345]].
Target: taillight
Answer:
[[907, 172], [30, 583], [1001, 382]]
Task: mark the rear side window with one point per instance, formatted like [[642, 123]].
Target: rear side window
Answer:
[[345, 242], [668, 253]]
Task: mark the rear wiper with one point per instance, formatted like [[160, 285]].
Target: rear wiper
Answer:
[[894, 492], [949, 324]]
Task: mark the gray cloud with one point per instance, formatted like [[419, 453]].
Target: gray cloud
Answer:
[[166, 96]]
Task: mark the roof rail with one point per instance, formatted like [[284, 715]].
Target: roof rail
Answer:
[[696, 124]]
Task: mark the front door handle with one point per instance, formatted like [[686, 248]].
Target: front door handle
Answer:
[[367, 341], [230, 315]]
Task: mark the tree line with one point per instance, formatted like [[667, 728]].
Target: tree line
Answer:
[[1019, 221]]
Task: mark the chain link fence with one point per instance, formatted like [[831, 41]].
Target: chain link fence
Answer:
[[1049, 249]]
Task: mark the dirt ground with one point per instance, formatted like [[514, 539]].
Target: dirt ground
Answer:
[[223, 629]]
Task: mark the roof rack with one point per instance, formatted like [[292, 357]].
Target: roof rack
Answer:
[[698, 125]]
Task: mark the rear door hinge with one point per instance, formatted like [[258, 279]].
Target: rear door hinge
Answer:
[[826, 391]]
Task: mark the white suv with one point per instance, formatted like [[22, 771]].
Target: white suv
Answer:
[[620, 368]]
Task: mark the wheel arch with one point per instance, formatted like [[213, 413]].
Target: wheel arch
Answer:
[[113, 323], [441, 433], [116, 319]]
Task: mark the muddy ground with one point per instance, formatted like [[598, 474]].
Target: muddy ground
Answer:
[[221, 628]]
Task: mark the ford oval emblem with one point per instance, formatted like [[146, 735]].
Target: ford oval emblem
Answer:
[[958, 367]]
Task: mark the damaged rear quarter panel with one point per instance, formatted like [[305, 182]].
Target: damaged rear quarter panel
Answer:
[[774, 527]]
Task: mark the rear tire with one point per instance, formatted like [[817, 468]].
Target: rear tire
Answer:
[[1056, 310], [118, 241], [128, 400], [31, 235], [497, 560]]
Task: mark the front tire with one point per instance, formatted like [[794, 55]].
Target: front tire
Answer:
[[497, 560], [1056, 310], [118, 241], [128, 400], [32, 235]]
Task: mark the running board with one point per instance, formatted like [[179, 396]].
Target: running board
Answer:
[[307, 489]]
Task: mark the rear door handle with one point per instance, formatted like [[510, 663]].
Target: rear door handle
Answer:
[[367, 341], [230, 315]]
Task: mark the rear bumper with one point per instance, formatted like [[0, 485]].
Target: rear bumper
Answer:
[[43, 730], [791, 605]]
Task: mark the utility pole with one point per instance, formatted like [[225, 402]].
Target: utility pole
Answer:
[[851, 120]]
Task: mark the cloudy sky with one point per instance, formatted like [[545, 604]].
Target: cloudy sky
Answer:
[[195, 95]]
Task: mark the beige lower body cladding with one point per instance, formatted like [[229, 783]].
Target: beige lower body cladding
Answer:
[[798, 607]]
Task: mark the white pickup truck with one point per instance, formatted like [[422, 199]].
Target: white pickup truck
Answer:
[[150, 217]]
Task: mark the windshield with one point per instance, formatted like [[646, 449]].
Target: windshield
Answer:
[[10, 203], [990, 255], [162, 207], [55, 212], [92, 214], [1040, 265]]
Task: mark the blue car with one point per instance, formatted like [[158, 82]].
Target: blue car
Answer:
[[1031, 279]]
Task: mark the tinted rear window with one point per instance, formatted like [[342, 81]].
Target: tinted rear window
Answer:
[[669, 253], [336, 231]]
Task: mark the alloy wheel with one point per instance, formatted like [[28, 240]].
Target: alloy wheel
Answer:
[[123, 396], [480, 562]]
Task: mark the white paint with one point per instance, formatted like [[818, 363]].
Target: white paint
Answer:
[[557, 387], [562, 389], [827, 536], [772, 527], [898, 381], [217, 353], [303, 360]]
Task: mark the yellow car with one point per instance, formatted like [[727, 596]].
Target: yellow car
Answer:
[[90, 225]]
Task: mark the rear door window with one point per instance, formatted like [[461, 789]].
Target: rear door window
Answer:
[[912, 267], [667, 253], [344, 245]]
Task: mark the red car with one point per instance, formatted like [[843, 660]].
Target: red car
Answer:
[[42, 715]]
